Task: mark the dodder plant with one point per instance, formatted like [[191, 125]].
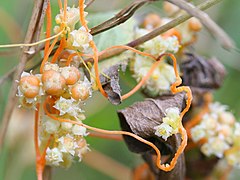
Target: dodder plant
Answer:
[[69, 74]]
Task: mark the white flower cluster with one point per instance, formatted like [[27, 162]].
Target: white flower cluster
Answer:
[[220, 132], [159, 44], [163, 76], [77, 39], [66, 147], [170, 124], [160, 80]]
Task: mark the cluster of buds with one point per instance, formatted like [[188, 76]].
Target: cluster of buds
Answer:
[[219, 132], [170, 124]]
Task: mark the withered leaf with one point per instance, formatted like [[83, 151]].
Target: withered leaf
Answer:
[[110, 82], [200, 74], [142, 117]]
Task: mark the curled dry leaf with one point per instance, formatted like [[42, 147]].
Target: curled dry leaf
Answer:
[[142, 117], [201, 74], [110, 82]]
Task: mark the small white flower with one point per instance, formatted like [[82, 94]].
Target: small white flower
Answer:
[[218, 146], [79, 39], [173, 118], [68, 106], [72, 17], [160, 80], [198, 132], [53, 156], [67, 144], [63, 105], [82, 148], [217, 107], [66, 126], [163, 130], [159, 44], [79, 130], [51, 126]]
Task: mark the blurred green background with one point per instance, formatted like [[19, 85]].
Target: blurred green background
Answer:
[[17, 157]]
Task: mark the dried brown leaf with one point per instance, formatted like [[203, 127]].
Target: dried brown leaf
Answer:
[[200, 74], [110, 83]]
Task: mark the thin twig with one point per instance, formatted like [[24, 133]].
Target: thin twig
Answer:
[[30, 37], [120, 17], [215, 30], [89, 3]]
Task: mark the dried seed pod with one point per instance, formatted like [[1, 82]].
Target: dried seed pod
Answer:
[[53, 82], [29, 86]]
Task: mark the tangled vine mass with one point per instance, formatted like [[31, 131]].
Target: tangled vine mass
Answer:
[[178, 115]]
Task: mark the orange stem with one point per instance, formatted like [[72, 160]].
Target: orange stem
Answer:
[[60, 4], [47, 55], [48, 27], [59, 50], [103, 136], [65, 10], [128, 48], [69, 60], [36, 130]]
